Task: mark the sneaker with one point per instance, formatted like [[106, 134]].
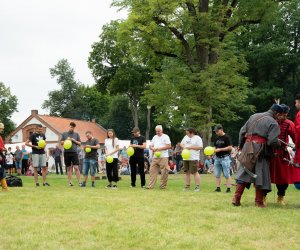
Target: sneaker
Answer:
[[46, 184], [93, 184], [197, 189], [82, 184], [132, 186], [37, 184], [228, 190], [186, 189], [143, 187], [114, 187], [162, 187], [218, 189], [71, 184], [109, 186]]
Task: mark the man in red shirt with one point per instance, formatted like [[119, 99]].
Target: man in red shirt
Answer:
[[297, 135], [2, 161], [283, 174], [297, 130]]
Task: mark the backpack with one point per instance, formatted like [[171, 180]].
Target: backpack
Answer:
[[14, 181]]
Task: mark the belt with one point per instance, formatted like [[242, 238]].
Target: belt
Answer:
[[222, 156], [256, 139]]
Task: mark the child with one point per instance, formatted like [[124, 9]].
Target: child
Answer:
[[9, 159]]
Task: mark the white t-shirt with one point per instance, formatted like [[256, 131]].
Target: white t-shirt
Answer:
[[161, 141], [9, 158], [109, 147], [193, 141]]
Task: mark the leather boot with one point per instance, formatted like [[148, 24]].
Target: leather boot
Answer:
[[4, 185], [259, 198], [280, 200], [236, 201]]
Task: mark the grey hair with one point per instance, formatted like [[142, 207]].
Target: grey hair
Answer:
[[159, 127]]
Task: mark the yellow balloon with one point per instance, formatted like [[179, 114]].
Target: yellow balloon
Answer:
[[88, 150], [41, 143], [67, 144], [109, 159], [130, 151], [209, 150], [186, 154], [157, 153]]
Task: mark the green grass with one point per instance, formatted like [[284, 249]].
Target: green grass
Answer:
[[61, 217]]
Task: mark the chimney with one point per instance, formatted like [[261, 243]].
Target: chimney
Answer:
[[34, 112], [94, 120]]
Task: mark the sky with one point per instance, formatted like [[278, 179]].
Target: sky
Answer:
[[36, 34]]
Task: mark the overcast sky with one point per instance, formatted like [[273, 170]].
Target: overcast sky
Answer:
[[36, 34]]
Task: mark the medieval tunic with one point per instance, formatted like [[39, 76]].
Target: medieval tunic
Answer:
[[280, 170], [297, 138], [2, 171], [267, 128]]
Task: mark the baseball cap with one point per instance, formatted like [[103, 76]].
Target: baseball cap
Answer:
[[218, 127]]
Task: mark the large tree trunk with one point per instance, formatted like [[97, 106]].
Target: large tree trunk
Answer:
[[134, 110], [148, 122], [206, 131]]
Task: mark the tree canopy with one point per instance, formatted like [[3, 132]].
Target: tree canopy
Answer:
[[8, 105], [115, 70]]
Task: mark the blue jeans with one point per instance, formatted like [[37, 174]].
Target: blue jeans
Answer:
[[18, 164], [222, 164], [89, 164]]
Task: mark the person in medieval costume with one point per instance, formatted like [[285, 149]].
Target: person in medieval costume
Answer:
[[2, 161], [281, 171], [297, 137], [259, 135], [297, 130]]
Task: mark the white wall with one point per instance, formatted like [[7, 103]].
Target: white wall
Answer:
[[33, 121], [50, 135], [18, 137]]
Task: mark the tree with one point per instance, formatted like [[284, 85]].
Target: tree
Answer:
[[73, 99], [60, 101], [88, 103], [115, 71], [199, 36], [8, 105], [119, 117], [272, 50]]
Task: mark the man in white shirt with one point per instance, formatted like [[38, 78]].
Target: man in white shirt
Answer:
[[159, 145], [193, 143]]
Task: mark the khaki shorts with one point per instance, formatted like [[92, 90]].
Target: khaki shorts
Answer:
[[190, 166], [38, 160]]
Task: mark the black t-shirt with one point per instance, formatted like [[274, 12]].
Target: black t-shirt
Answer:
[[138, 152], [93, 153], [73, 135], [223, 142], [35, 138]]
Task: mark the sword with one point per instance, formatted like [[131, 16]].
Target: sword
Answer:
[[249, 172], [296, 165], [287, 144]]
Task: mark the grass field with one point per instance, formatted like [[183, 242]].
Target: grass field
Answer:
[[63, 217]]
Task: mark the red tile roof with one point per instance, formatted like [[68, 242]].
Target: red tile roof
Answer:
[[62, 125]]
